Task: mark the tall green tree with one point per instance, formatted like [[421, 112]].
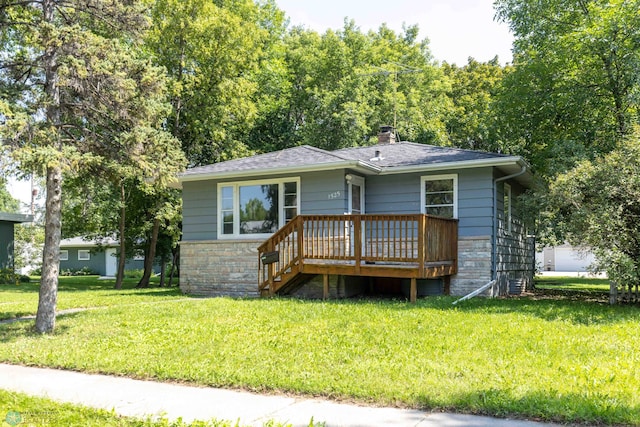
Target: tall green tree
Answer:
[[131, 204], [472, 123], [574, 90], [335, 89], [213, 50], [7, 202], [82, 97], [597, 205]]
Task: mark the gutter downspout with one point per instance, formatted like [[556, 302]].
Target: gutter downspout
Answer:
[[494, 234]]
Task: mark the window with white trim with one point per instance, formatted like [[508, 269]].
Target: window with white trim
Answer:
[[439, 195], [84, 255], [256, 208], [507, 208], [64, 255]]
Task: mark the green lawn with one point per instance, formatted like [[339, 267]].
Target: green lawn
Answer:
[[576, 288], [550, 359], [22, 410], [573, 284], [78, 292]]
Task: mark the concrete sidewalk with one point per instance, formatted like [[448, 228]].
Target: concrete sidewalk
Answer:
[[137, 398]]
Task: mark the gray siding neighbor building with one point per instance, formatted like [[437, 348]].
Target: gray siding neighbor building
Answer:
[[99, 258], [231, 208], [7, 223]]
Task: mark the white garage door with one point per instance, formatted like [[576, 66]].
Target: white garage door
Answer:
[[568, 259]]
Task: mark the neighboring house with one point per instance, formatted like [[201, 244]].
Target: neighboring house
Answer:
[[100, 257], [564, 258], [7, 223], [356, 221]]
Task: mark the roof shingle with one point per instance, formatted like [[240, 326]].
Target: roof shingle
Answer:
[[379, 158]]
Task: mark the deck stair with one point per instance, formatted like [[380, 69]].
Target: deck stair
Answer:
[[413, 246]]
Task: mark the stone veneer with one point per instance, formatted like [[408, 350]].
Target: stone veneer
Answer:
[[474, 265], [230, 268], [219, 268]]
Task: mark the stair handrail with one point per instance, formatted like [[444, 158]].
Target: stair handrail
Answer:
[[276, 269]]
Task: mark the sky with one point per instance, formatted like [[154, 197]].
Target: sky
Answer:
[[456, 29]]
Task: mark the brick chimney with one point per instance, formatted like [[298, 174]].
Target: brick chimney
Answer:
[[387, 135]]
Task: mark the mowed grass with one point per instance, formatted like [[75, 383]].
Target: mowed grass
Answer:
[[573, 284], [20, 409], [78, 292], [556, 360]]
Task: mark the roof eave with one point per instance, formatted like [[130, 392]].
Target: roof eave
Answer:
[[516, 161], [357, 165], [462, 164], [65, 243], [15, 218]]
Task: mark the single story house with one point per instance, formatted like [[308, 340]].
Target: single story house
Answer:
[[396, 217], [101, 257], [7, 223]]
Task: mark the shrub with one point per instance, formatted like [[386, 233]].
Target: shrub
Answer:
[[133, 274], [8, 277], [84, 271]]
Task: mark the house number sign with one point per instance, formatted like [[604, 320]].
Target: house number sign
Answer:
[[334, 195]]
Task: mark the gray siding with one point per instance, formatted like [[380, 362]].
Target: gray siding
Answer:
[[392, 194], [199, 216], [475, 202], [515, 251], [400, 194], [323, 193], [6, 245], [97, 261]]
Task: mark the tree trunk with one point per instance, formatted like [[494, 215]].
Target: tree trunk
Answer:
[[48, 296], [163, 268], [122, 257], [150, 257], [174, 264], [46, 316]]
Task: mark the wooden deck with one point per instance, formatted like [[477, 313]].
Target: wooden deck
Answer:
[[406, 246]]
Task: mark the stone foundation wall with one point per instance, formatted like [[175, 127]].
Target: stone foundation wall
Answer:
[[474, 265], [230, 268], [219, 268]]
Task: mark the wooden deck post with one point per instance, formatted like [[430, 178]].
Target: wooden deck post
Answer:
[[413, 296], [446, 285], [357, 240], [270, 272], [422, 243], [300, 242], [325, 286]]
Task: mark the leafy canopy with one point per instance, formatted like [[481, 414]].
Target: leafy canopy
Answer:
[[597, 204]]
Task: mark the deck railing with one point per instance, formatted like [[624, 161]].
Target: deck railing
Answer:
[[413, 241]]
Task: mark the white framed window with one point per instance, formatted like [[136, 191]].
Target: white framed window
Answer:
[[84, 255], [250, 209], [439, 195], [64, 255], [507, 206]]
